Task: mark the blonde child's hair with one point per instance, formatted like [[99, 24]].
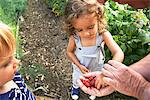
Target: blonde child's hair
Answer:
[[76, 8], [7, 42]]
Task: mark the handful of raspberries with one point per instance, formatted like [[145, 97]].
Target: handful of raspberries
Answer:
[[89, 81]]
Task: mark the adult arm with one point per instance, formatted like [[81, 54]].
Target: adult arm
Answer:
[[134, 3], [143, 67]]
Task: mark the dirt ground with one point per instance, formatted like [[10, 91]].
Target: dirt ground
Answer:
[[44, 42]]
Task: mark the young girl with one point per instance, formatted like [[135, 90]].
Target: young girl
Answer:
[[12, 85], [86, 26]]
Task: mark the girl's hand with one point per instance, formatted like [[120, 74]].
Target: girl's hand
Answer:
[[83, 69]]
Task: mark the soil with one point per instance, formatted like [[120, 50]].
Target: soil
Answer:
[[44, 43]]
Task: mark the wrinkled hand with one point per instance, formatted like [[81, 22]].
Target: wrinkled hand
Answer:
[[83, 69], [124, 79], [93, 90], [99, 81]]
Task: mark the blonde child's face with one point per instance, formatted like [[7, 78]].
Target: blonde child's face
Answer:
[[8, 69], [86, 25]]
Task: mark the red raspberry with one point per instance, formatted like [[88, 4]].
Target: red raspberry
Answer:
[[86, 83], [92, 82], [90, 78]]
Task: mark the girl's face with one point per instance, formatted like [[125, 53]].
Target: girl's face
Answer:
[[86, 25], [7, 69]]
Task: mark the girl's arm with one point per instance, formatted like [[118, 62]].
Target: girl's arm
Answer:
[[70, 53], [116, 51]]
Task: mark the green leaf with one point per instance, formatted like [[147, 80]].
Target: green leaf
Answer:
[[134, 57], [123, 47]]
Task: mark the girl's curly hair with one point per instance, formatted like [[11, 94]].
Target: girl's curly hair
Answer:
[[76, 8]]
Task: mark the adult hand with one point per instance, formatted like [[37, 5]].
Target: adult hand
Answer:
[[124, 79], [93, 90]]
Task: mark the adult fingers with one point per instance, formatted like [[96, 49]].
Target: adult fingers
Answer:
[[87, 90], [109, 81], [116, 64], [92, 91], [105, 91], [82, 86], [92, 74], [109, 68], [107, 73], [98, 81]]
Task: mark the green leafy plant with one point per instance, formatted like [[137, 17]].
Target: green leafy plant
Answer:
[[130, 29], [11, 9], [57, 6]]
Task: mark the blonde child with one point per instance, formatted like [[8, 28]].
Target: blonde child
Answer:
[[87, 30], [12, 85]]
